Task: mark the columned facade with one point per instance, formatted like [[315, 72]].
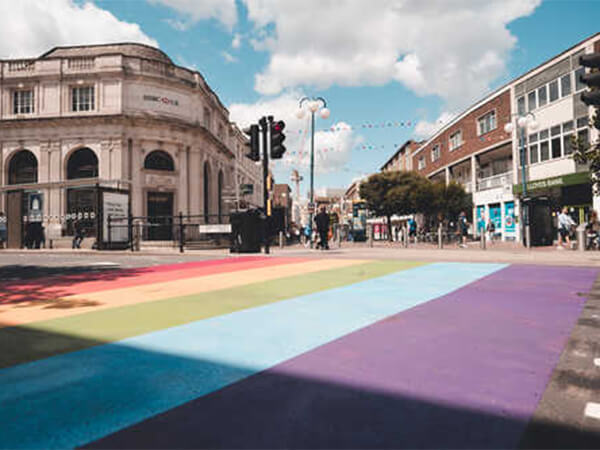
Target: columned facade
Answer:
[[123, 117]]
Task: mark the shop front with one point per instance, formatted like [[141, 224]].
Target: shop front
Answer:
[[546, 197]]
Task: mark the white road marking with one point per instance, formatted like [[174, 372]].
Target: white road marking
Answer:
[[597, 362], [592, 410]]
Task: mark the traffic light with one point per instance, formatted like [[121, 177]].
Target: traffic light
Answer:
[[253, 144], [591, 79], [277, 138]]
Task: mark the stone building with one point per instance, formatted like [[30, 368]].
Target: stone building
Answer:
[[119, 126]]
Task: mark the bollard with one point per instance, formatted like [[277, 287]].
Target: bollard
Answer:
[[482, 236], [281, 239], [440, 237], [370, 237], [581, 238]]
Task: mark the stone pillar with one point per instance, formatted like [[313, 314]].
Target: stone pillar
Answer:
[[105, 163], [137, 180], [474, 167], [447, 173], [2, 182], [195, 182], [182, 187]]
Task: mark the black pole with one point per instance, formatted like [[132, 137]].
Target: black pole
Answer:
[[130, 230], [264, 127], [109, 232], [181, 239]]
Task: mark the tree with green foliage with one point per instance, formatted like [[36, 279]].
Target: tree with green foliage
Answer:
[[584, 153], [451, 199], [401, 193]]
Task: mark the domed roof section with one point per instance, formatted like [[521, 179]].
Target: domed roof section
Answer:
[[126, 48]]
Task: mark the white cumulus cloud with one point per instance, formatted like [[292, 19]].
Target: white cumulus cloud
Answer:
[[224, 11], [425, 129], [30, 27], [332, 148], [451, 48]]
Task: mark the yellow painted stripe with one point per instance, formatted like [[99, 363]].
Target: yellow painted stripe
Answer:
[[11, 315]]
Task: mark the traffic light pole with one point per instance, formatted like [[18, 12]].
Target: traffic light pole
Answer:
[[264, 125]]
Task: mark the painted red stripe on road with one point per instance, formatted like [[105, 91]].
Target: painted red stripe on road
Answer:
[[115, 279]]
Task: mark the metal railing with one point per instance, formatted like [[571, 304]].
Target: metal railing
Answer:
[[495, 181], [183, 231]]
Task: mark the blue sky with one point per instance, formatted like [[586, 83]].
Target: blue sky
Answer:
[[403, 61]]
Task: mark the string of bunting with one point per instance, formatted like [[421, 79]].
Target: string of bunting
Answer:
[[362, 126], [366, 146]]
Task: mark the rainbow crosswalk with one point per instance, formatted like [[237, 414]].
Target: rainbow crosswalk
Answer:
[[109, 359]]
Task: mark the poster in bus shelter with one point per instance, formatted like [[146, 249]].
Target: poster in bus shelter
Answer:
[[115, 205]]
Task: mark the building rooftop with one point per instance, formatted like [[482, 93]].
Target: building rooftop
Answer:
[[125, 48]]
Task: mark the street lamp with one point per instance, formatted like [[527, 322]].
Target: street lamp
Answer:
[[313, 105], [523, 124]]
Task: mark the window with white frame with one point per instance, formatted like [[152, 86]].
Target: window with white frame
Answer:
[[435, 152], [455, 140], [553, 89], [82, 98], [542, 94], [557, 142], [565, 85], [578, 84], [531, 101], [486, 123], [521, 105], [421, 162], [23, 101]]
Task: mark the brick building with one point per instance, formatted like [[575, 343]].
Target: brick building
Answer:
[[475, 150]]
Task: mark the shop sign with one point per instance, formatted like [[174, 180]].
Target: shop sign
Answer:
[[547, 183]]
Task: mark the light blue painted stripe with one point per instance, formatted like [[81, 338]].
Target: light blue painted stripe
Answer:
[[71, 399]]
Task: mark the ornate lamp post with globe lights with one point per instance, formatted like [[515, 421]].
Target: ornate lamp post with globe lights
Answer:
[[523, 123], [313, 105]]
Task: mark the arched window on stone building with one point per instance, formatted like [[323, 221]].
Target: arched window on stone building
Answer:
[[159, 160], [82, 201], [23, 168], [82, 163]]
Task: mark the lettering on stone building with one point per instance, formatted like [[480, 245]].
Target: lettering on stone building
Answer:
[[159, 99], [160, 180]]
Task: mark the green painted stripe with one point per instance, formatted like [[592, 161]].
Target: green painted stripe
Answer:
[[47, 338]]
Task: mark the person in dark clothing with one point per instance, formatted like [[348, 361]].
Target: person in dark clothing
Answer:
[[79, 234], [322, 222]]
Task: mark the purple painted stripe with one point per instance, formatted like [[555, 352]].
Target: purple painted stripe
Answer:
[[465, 370]]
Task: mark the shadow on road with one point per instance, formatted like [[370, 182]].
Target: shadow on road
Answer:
[[29, 285], [270, 409]]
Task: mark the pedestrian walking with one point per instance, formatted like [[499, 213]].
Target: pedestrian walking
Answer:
[[463, 228], [565, 225], [79, 234], [490, 229], [593, 232], [3, 230], [322, 222]]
